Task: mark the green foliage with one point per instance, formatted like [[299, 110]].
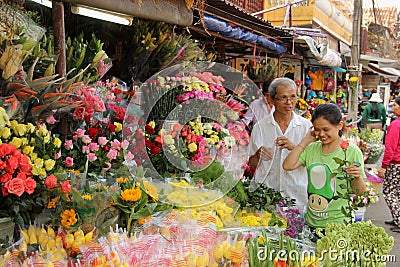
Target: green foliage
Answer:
[[153, 46], [263, 198], [361, 244]]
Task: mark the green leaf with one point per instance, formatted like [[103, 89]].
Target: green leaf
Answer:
[[338, 161]]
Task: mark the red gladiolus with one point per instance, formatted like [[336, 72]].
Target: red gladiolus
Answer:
[[344, 144]]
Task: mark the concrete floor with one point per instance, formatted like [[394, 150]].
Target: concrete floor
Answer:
[[378, 213]]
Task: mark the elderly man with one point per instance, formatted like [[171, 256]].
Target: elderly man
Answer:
[[274, 137]]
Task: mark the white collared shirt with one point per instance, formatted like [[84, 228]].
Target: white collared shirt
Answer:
[[292, 184], [258, 109]]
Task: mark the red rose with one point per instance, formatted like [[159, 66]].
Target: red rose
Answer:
[[106, 148], [79, 112], [65, 186], [93, 132], [15, 186], [149, 129], [30, 185], [5, 178], [51, 181], [158, 141], [148, 142], [344, 144], [154, 150], [112, 127]]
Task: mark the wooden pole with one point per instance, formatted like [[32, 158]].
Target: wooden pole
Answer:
[[59, 37], [355, 69]]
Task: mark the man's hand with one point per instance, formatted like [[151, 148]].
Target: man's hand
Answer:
[[265, 153], [282, 142]]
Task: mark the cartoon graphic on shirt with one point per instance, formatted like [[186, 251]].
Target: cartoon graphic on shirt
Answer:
[[321, 188]]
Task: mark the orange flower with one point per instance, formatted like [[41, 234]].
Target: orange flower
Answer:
[[68, 218], [131, 195], [142, 221], [52, 203]]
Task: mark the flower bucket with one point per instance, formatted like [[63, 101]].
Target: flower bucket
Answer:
[[359, 214], [7, 229]]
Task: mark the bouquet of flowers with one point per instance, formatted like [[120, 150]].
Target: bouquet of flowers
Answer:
[[369, 141], [97, 144], [370, 196]]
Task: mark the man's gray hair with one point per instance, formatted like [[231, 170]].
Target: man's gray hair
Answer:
[[273, 87]]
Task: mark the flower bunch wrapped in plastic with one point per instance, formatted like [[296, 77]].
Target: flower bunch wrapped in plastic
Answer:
[[97, 144], [370, 196]]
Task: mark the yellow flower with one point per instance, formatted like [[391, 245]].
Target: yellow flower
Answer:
[[192, 147], [353, 79], [168, 139], [68, 218], [57, 142], [87, 197], [38, 163], [131, 195], [150, 189], [38, 171], [43, 131], [19, 129], [49, 164], [33, 156], [24, 141], [30, 128], [53, 202], [46, 139], [118, 127], [122, 180], [5, 133], [152, 124], [16, 142]]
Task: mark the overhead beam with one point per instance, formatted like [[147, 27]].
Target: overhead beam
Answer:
[[170, 11]]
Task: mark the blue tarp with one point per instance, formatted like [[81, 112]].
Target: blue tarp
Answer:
[[225, 29]]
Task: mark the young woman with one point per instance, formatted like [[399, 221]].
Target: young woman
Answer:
[[317, 152], [391, 168]]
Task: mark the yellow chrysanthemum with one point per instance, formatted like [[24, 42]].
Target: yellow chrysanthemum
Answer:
[[150, 189], [131, 195], [53, 202], [353, 79], [87, 197], [43, 131], [68, 218]]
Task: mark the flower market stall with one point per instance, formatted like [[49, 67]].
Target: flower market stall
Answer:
[[152, 177]]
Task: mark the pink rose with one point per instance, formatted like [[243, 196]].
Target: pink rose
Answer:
[[58, 155], [125, 144], [80, 133], [15, 186], [129, 156], [51, 120], [68, 144], [69, 162], [50, 181], [112, 154], [85, 149], [102, 140], [30, 185], [66, 186], [91, 157], [108, 166], [116, 144], [86, 139], [94, 147]]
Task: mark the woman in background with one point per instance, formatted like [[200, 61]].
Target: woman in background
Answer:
[[390, 169], [374, 114]]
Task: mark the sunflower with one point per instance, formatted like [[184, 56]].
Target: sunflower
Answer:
[[131, 195], [68, 218]]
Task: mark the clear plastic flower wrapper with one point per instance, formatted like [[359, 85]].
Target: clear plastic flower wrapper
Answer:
[[187, 126]]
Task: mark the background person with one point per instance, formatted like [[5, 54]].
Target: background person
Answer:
[[316, 152], [272, 139], [259, 108], [390, 169], [374, 114]]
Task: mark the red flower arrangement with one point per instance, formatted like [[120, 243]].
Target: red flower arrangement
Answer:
[[17, 185]]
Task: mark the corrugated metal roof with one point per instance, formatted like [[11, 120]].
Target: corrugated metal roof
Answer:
[[227, 11]]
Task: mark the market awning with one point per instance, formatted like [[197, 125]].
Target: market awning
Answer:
[[390, 73]]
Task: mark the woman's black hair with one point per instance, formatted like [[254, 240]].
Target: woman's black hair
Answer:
[[329, 112]]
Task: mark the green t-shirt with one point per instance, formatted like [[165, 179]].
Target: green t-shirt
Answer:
[[321, 208]]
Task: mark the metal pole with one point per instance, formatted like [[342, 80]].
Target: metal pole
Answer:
[[355, 56]]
